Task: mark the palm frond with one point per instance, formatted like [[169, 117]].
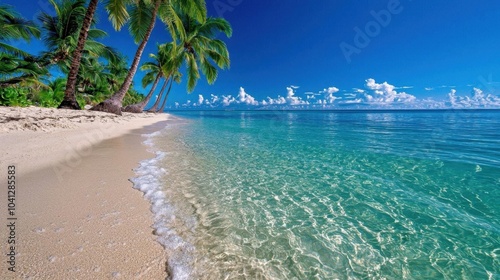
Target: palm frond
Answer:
[[149, 78], [196, 9], [222, 61], [140, 19], [117, 11], [170, 17], [13, 50], [14, 27], [209, 71], [150, 66], [96, 34], [193, 72], [211, 26]]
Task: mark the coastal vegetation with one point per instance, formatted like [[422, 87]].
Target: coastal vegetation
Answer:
[[76, 69]]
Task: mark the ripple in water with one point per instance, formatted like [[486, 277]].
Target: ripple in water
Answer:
[[324, 195]]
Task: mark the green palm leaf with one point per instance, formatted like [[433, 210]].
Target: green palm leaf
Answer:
[[140, 17], [117, 11], [193, 72], [13, 50]]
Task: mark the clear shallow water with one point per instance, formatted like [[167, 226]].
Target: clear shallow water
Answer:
[[328, 195]]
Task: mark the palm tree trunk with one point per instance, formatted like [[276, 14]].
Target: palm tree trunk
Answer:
[[69, 101], [166, 97], [114, 103], [139, 107], [157, 102]]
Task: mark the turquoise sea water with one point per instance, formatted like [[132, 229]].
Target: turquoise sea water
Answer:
[[328, 195]]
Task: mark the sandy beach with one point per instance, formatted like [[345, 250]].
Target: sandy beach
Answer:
[[76, 214]]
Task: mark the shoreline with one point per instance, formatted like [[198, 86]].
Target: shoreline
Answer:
[[78, 215]]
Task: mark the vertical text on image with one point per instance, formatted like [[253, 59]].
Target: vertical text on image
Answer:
[[11, 217]]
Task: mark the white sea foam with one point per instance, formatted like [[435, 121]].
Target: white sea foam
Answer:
[[148, 180]]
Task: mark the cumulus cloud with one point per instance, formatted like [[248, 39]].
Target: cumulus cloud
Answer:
[[311, 95], [291, 99], [245, 98], [385, 93], [375, 95], [354, 101], [200, 99], [328, 97], [478, 99]]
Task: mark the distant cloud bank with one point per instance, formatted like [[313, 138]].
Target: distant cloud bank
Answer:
[[373, 96]]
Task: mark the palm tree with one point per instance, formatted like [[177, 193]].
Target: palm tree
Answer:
[[160, 96], [171, 56], [15, 70], [92, 74], [61, 33], [14, 27], [160, 68], [97, 79], [154, 76], [174, 77], [201, 49], [16, 65], [177, 79], [69, 100], [118, 69], [143, 17], [199, 46]]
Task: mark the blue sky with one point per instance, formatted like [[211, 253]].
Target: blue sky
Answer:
[[329, 54]]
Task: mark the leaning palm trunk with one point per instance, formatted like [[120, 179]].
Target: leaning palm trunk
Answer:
[[157, 102], [139, 107], [69, 101], [114, 103], [166, 97]]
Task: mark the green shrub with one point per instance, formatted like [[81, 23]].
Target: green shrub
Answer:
[[49, 98], [14, 96]]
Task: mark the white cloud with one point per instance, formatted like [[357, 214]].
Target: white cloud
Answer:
[[291, 99], [311, 95], [214, 99], [478, 100], [385, 93], [227, 100], [355, 101], [429, 88], [277, 101], [330, 90], [452, 97], [375, 95], [445, 86], [329, 98], [245, 98]]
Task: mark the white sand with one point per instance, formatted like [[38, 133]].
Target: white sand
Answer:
[[78, 215]]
